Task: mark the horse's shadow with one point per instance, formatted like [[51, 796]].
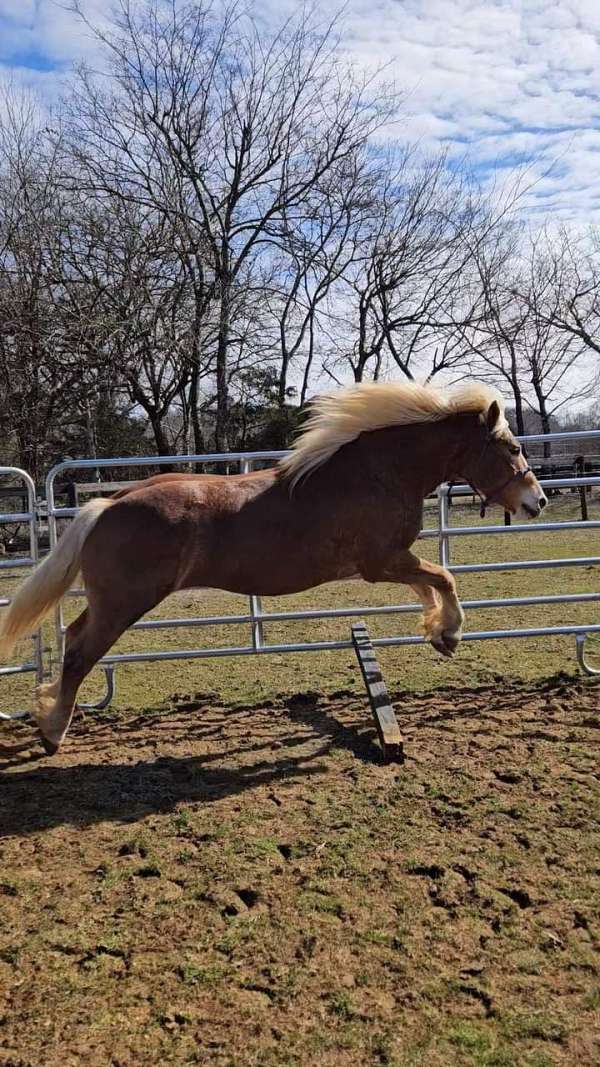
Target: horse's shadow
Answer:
[[43, 795]]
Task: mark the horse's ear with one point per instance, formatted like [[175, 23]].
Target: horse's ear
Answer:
[[493, 415]]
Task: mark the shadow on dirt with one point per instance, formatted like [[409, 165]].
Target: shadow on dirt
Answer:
[[249, 747], [121, 769]]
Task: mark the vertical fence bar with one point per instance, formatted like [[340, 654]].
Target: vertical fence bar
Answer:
[[34, 551], [53, 538], [255, 604], [30, 517], [444, 524], [585, 666]]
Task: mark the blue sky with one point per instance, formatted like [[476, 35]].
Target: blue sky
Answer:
[[501, 81]]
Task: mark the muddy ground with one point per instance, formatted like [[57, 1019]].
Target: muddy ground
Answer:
[[204, 884]]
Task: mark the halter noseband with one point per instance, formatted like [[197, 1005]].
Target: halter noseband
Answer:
[[490, 498]]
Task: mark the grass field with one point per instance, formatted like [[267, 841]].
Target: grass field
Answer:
[[218, 870]]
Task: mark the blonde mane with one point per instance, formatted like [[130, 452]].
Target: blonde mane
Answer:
[[338, 418]]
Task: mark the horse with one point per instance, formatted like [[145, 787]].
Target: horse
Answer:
[[346, 502]]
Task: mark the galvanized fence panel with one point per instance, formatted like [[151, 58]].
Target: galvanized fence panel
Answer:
[[29, 518]]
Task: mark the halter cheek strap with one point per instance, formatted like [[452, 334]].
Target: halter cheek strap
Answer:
[[490, 498]]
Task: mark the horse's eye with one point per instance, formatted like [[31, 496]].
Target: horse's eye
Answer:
[[515, 450]]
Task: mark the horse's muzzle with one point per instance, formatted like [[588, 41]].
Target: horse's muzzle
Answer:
[[534, 507]]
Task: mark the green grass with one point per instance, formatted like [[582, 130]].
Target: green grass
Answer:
[[192, 974], [249, 679]]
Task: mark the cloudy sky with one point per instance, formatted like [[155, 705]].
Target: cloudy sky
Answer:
[[504, 82]]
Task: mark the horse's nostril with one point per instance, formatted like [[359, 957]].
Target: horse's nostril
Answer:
[[543, 501]]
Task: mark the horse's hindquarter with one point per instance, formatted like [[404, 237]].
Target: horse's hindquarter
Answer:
[[143, 541]]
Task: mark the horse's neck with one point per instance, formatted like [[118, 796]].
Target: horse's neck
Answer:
[[446, 447], [421, 456], [463, 444], [393, 467]]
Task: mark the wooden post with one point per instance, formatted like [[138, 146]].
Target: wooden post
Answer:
[[580, 471], [383, 713]]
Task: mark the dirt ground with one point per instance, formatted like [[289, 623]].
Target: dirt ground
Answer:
[[240, 886]]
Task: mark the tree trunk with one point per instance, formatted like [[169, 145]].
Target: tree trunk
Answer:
[[29, 457], [307, 369], [358, 368], [514, 383], [519, 416], [194, 413], [222, 424], [285, 361], [163, 448], [544, 416]]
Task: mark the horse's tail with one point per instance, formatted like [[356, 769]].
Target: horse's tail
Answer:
[[50, 580]]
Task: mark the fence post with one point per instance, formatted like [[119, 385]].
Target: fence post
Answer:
[[580, 471], [257, 630], [27, 498], [444, 516]]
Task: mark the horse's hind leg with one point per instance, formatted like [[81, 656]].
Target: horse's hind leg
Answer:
[[47, 692], [84, 646], [87, 639]]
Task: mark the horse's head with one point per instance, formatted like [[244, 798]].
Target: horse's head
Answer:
[[498, 469]]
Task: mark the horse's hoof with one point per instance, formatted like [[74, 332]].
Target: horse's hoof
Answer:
[[49, 747], [446, 643], [442, 648], [451, 640]]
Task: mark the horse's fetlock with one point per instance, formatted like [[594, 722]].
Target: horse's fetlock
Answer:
[[432, 623]]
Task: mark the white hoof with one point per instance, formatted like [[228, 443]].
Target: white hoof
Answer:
[[446, 642], [51, 725]]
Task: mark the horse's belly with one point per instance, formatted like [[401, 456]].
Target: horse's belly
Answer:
[[265, 576]]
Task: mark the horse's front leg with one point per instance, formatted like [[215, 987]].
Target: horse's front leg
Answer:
[[443, 616]]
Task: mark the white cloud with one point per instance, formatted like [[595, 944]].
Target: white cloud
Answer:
[[19, 10], [500, 80]]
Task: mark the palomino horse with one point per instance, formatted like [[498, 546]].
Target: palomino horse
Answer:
[[347, 502]]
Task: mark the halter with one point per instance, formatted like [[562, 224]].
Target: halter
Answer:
[[490, 498]]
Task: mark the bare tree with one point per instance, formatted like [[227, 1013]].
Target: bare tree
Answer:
[[552, 357], [318, 247], [226, 130], [413, 285], [42, 375], [492, 342], [518, 341], [122, 276], [565, 293]]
